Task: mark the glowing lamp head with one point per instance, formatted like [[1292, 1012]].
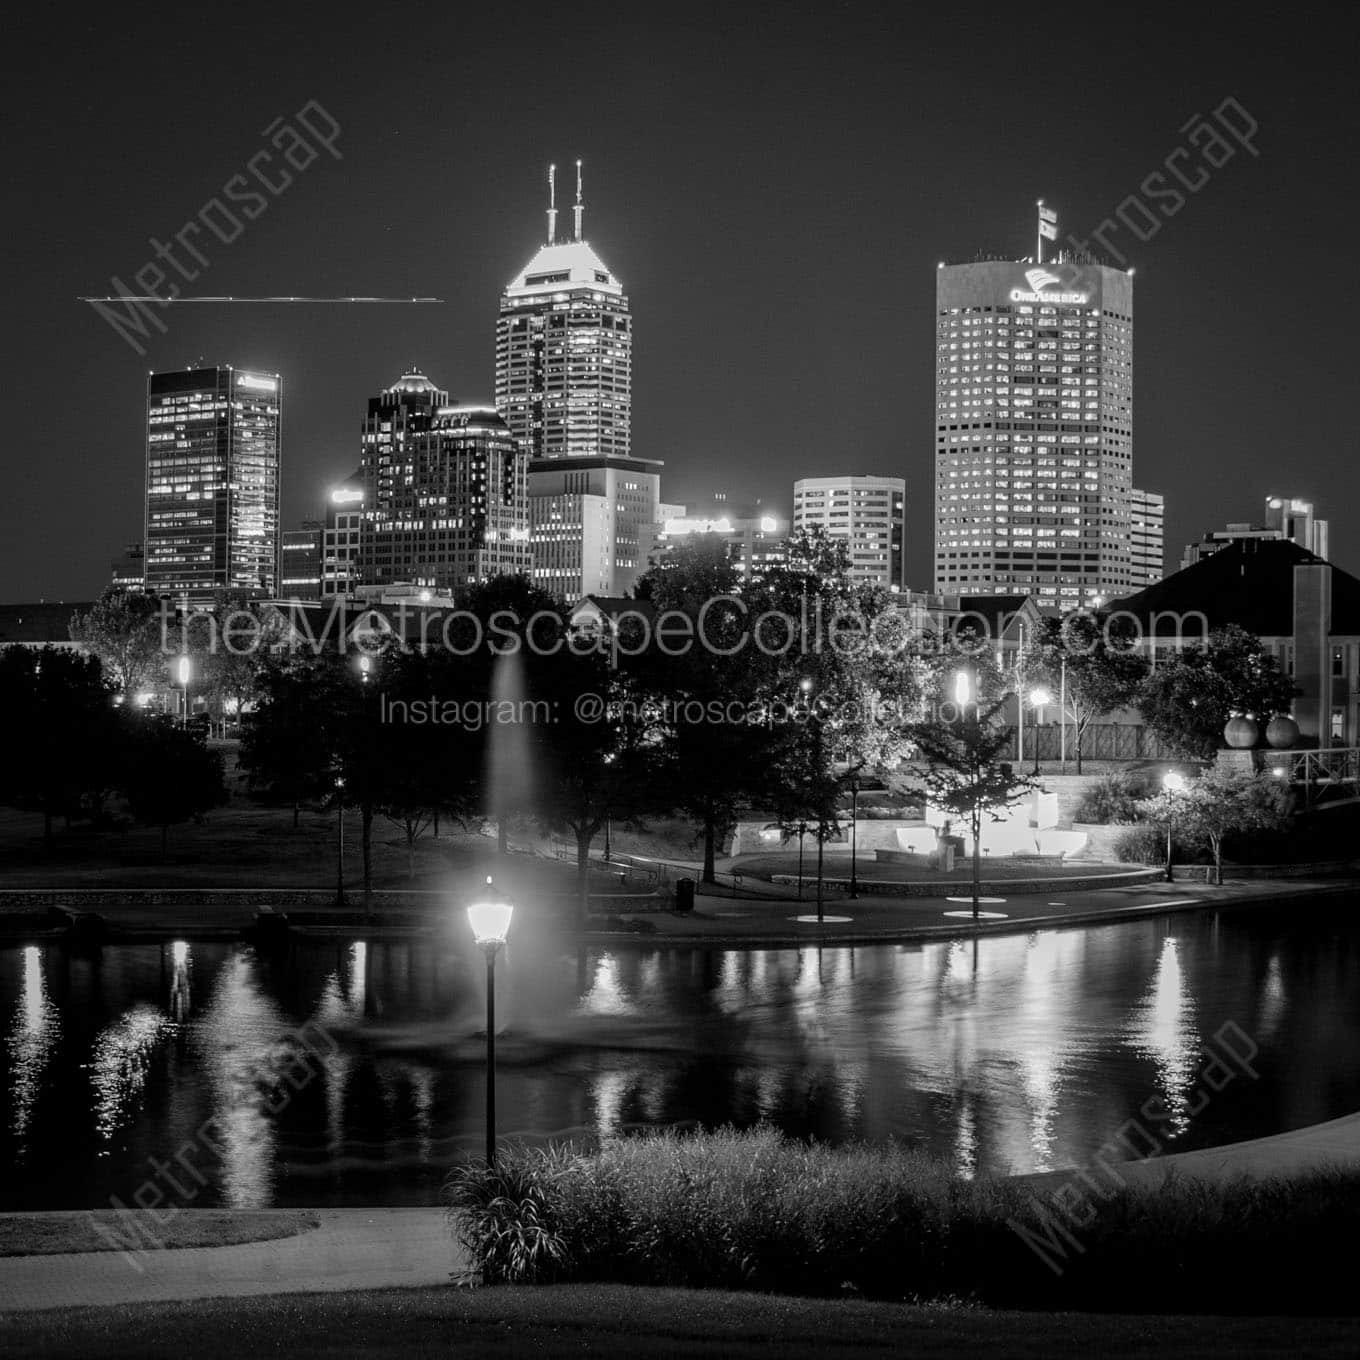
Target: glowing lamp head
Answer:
[[365, 665], [490, 920], [963, 688], [183, 670], [805, 684], [1173, 781], [1041, 696]]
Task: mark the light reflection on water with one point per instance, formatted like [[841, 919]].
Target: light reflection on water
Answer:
[[1025, 1052]]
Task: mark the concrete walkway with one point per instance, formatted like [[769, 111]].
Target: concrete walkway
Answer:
[[352, 1249]]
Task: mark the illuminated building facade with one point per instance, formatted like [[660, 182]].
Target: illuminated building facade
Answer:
[[754, 541], [1034, 431], [300, 560], [444, 491], [1287, 517], [1147, 535], [213, 440], [564, 351], [591, 523], [1294, 519], [127, 571], [341, 537], [867, 513]]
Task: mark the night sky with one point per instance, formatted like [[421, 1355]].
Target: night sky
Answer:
[[773, 185]]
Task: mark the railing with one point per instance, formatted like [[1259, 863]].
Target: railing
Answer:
[[1332, 768]]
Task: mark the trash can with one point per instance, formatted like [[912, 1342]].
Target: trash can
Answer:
[[684, 894]]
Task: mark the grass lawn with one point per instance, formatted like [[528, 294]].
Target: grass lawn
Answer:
[[605, 1321], [45, 1234], [836, 864]]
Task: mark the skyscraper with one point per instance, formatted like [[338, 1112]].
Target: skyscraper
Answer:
[[591, 523], [1034, 430], [1295, 520], [443, 491], [1147, 534], [213, 438], [564, 350], [867, 513]]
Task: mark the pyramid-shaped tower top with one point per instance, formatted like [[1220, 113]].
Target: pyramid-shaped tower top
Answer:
[[560, 265]]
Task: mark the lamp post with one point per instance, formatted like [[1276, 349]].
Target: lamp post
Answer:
[[1040, 698], [1062, 713], [184, 670], [802, 831], [339, 840], [854, 834], [965, 694], [1173, 782], [490, 921]]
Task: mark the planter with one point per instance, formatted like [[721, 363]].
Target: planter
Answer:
[[1241, 733]]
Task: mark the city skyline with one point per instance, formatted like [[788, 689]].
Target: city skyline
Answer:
[[778, 261]]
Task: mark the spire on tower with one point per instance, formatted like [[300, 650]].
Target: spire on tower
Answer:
[[579, 208], [552, 203]]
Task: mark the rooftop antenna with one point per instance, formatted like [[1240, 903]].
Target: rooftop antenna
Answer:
[[552, 203], [579, 208]]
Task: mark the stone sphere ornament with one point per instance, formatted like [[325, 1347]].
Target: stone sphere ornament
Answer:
[[1282, 733], [1240, 733]]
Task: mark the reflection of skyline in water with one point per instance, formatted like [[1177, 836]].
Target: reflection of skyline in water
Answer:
[[1020, 1052]]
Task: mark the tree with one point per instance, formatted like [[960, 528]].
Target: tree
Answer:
[[706, 684], [848, 676], [597, 755], [1090, 662], [1221, 802], [1188, 699], [169, 775], [965, 775], [61, 752], [124, 630], [287, 745], [228, 645]]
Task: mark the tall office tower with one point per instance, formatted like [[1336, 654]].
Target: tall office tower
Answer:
[[341, 536], [1147, 534], [869, 513], [300, 561], [444, 491], [564, 350], [213, 438], [591, 522], [1034, 430], [1294, 519]]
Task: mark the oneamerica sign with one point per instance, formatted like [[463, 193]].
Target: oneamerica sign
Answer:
[[1037, 278], [1020, 295]]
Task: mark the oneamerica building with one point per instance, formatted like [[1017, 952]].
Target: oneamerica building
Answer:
[[1034, 431]]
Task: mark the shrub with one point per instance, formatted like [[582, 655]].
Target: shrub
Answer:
[[1113, 800], [1145, 843], [755, 1210]]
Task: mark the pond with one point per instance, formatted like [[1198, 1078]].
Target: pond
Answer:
[[1014, 1052]]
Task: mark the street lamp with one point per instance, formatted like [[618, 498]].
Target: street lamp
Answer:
[[802, 831], [365, 665], [1040, 697], [1173, 782], [490, 921], [184, 671], [854, 834], [965, 693], [339, 840]]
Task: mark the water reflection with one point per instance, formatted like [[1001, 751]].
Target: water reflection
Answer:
[[1163, 1028], [1025, 1052], [33, 1036], [119, 1067]]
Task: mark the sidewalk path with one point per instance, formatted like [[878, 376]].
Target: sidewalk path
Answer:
[[352, 1249], [1335, 1143]]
